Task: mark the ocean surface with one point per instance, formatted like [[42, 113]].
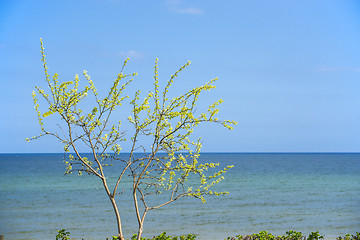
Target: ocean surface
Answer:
[[274, 192]]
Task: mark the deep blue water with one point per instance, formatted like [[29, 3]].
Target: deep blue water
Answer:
[[272, 192]]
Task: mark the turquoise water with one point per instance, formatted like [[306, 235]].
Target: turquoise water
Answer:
[[272, 192]]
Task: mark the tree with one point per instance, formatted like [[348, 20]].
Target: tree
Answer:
[[169, 165]]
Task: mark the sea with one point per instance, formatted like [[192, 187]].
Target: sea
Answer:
[[273, 192]]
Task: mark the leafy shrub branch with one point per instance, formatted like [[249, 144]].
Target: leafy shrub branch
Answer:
[[168, 165]]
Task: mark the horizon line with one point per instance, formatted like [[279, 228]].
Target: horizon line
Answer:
[[220, 152]]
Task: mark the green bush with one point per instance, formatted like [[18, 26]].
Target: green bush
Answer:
[[315, 236], [290, 235], [263, 235], [62, 235], [162, 237], [350, 237]]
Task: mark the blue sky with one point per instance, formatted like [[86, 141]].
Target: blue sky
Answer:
[[289, 71]]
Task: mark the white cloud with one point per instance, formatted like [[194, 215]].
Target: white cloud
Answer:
[[189, 10], [178, 7], [173, 2], [131, 54]]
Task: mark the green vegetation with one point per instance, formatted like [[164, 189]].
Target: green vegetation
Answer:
[[291, 235], [63, 235], [160, 124], [350, 237], [263, 235], [162, 236]]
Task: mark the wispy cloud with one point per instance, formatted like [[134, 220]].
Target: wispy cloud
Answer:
[[132, 54], [179, 6], [173, 2], [338, 69], [111, 53], [189, 10]]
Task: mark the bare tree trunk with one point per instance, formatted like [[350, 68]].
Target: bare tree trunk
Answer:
[[116, 210], [140, 231], [140, 219], [141, 224], [118, 220]]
